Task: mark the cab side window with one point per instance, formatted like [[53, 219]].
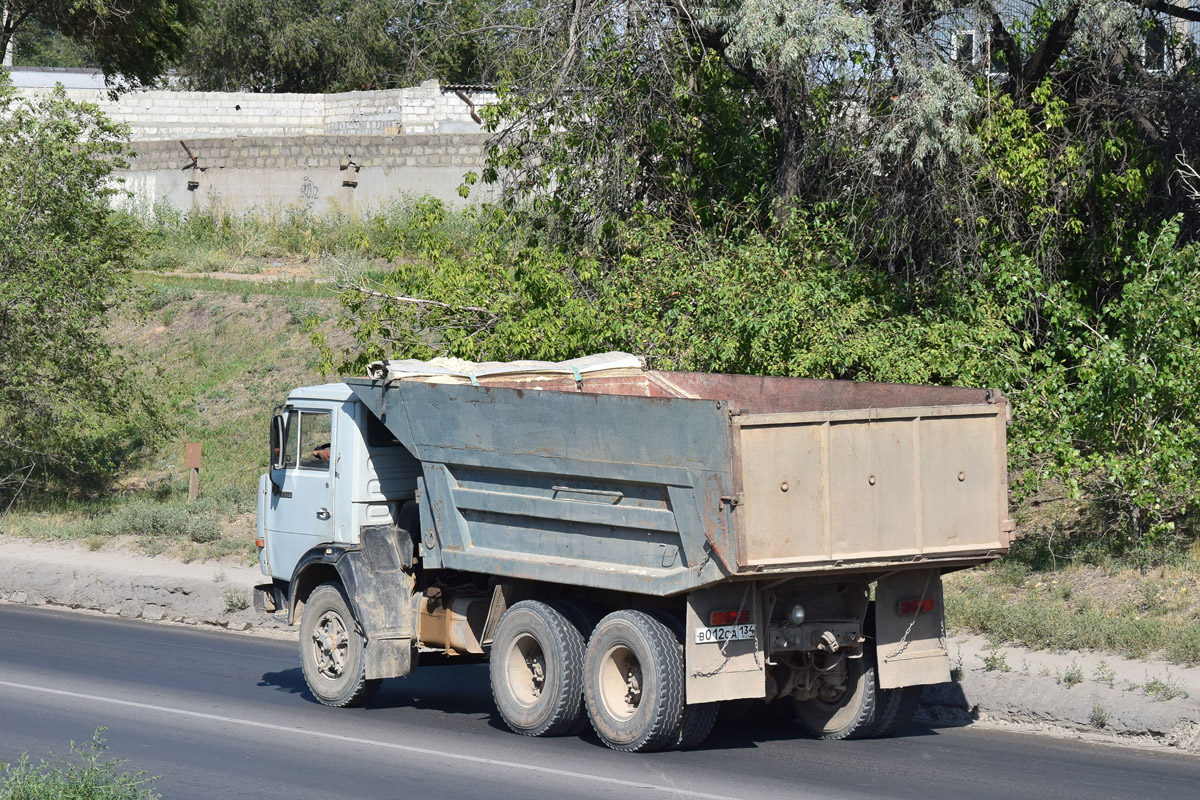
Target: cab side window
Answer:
[[316, 438]]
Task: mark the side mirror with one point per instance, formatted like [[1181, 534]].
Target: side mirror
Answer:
[[278, 441], [276, 457]]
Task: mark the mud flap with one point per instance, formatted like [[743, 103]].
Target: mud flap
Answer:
[[731, 669], [380, 585], [910, 645]]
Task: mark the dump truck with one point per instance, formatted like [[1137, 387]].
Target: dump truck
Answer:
[[631, 548]]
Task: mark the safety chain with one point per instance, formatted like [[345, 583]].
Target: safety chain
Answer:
[[904, 643]]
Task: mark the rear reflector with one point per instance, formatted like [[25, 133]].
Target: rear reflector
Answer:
[[909, 607], [259, 542], [728, 617]]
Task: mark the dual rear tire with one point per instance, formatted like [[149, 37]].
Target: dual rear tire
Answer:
[[553, 668]]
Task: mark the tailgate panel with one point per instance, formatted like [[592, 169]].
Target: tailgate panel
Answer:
[[853, 486]]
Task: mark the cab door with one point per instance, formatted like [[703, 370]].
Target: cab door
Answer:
[[301, 502]]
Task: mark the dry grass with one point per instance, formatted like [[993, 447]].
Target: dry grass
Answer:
[[218, 362], [1123, 610]]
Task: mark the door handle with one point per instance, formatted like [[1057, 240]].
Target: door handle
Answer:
[[322, 513]]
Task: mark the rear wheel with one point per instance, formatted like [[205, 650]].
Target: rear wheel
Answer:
[[848, 714], [332, 650], [698, 718], [634, 686], [894, 709], [536, 669]]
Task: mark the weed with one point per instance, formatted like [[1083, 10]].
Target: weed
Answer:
[[1072, 675], [235, 600], [84, 776], [996, 661], [220, 577], [1163, 689], [1043, 619], [155, 521], [1099, 717], [1012, 572], [1104, 673], [151, 546]]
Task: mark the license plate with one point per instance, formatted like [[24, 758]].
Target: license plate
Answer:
[[724, 633]]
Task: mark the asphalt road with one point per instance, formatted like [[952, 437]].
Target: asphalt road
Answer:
[[220, 715]]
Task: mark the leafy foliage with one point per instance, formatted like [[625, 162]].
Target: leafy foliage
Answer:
[[36, 45], [132, 41], [69, 412], [334, 45], [298, 46], [85, 776]]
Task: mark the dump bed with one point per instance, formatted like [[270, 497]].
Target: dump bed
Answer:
[[662, 482]]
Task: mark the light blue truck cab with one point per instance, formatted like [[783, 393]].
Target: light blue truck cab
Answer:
[[630, 548]]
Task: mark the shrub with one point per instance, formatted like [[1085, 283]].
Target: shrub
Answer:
[[156, 521], [87, 776]]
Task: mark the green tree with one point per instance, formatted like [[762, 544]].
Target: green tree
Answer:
[[869, 104], [132, 41], [334, 45], [35, 45], [69, 412]]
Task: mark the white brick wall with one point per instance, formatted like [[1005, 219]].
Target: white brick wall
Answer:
[[167, 114]]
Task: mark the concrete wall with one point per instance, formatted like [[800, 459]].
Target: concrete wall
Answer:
[[317, 152], [316, 173], [165, 114]]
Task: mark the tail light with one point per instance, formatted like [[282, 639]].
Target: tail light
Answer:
[[728, 617], [912, 607]]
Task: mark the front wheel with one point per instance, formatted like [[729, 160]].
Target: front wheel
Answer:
[[332, 650]]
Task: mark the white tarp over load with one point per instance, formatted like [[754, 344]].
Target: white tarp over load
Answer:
[[454, 370]]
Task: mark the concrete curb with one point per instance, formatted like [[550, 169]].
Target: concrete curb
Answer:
[[1084, 694], [133, 587], [1042, 703]]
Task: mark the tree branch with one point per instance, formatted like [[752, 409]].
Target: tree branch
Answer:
[[362, 287], [1170, 9], [1051, 47]]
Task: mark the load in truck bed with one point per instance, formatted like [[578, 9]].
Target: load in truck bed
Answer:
[[600, 473]]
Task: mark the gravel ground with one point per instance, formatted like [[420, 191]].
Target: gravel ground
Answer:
[[1092, 695]]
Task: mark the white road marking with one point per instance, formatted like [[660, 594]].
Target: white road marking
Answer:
[[355, 740]]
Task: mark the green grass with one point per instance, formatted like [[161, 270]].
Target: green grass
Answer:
[[218, 355], [1122, 612], [85, 775], [155, 290], [1164, 689], [216, 241]]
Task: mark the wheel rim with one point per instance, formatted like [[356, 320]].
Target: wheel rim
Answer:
[[525, 670], [330, 643], [620, 682]]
